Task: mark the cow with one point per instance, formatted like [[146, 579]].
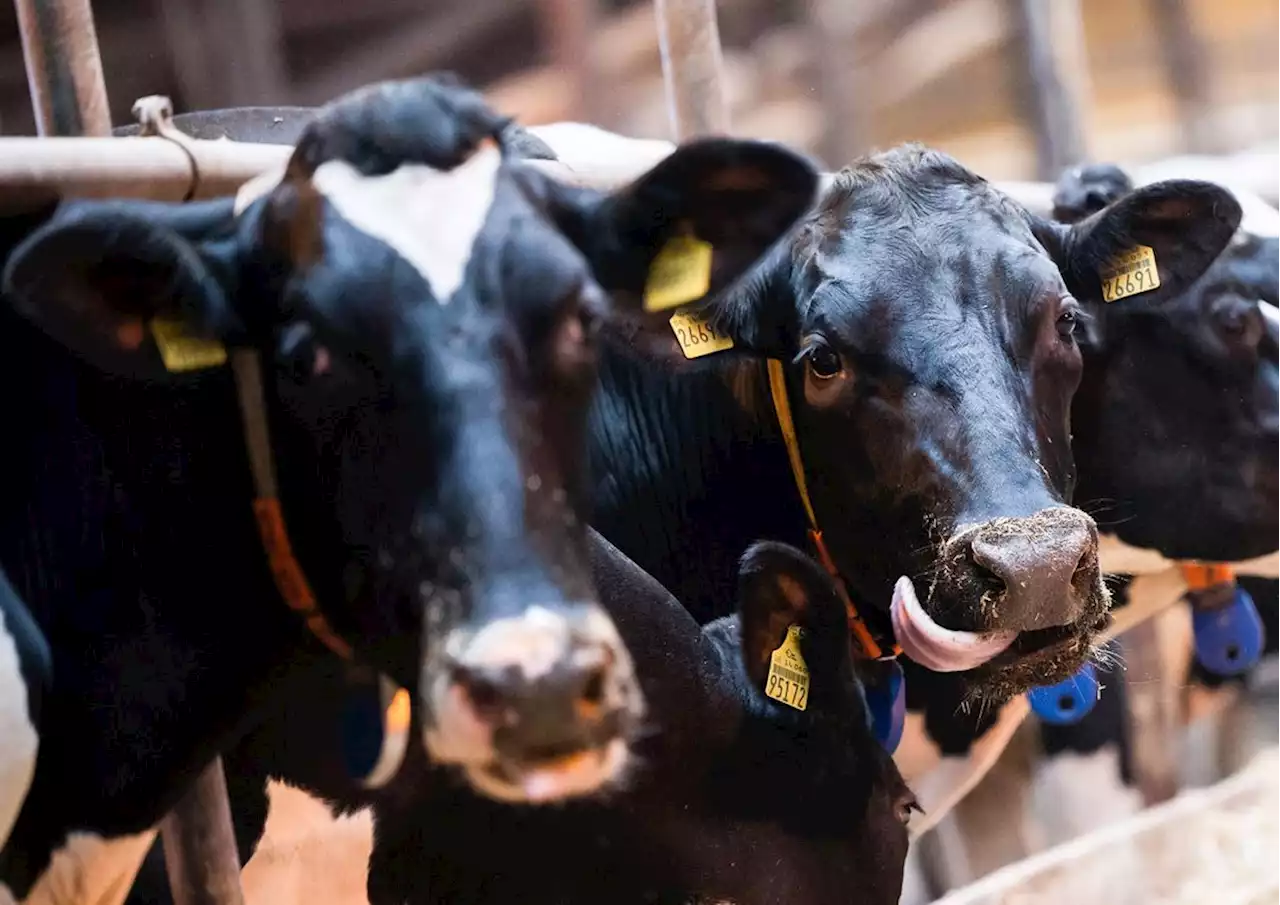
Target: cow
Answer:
[[926, 327], [374, 368], [741, 790], [1175, 439]]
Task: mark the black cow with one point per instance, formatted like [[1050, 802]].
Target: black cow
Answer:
[[25, 679], [422, 312], [1180, 454], [1175, 437], [928, 330], [733, 796]]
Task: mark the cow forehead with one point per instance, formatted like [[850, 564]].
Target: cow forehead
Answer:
[[431, 218]]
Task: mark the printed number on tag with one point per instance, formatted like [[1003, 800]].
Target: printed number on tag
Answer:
[[680, 273], [788, 673], [696, 337], [181, 352], [1131, 273]]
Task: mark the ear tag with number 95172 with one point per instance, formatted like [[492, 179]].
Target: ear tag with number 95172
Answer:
[[788, 680]]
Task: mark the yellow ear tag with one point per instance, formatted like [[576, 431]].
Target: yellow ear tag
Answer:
[[680, 273], [696, 337], [788, 673], [1131, 273], [181, 352]]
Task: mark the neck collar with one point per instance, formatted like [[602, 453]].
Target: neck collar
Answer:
[[871, 647]]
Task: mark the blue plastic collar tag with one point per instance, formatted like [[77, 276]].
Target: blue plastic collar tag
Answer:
[[1229, 639], [375, 729], [887, 705], [1066, 702]]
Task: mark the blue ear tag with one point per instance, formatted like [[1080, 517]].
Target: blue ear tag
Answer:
[[1229, 639], [1068, 701], [887, 704], [375, 730]]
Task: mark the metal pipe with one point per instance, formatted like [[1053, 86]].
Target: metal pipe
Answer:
[[64, 68], [151, 168], [692, 67], [199, 845]]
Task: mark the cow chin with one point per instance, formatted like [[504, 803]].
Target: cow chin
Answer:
[[559, 779]]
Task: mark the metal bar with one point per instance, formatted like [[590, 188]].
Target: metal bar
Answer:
[[834, 25], [199, 845], [567, 27], [1055, 89], [64, 68], [692, 67], [151, 168], [1188, 77]]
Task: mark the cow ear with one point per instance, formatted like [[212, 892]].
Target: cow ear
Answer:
[[1172, 231], [105, 279], [713, 208], [780, 591]]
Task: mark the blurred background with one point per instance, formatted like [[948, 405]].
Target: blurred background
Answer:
[[1149, 78]]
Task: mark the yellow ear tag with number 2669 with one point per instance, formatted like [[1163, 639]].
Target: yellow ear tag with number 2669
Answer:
[[680, 273], [696, 337], [1131, 273], [788, 673]]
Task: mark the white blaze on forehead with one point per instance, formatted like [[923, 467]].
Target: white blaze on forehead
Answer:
[[430, 217], [18, 739], [534, 641]]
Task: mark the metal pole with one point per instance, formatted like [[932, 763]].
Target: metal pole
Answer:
[[692, 67], [1188, 76], [1051, 36], [200, 846], [64, 69]]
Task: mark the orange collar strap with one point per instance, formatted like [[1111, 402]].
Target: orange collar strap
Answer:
[[290, 580], [782, 406], [1201, 576]]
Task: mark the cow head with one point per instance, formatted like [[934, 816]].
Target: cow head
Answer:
[[1176, 419], [928, 326], [424, 311]]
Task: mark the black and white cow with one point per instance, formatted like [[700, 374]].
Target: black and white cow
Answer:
[[733, 796], [410, 319]]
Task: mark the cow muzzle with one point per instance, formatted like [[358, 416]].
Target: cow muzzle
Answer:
[[1008, 588], [536, 707]]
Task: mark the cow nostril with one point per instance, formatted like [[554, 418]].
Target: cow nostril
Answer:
[[483, 693], [593, 688]]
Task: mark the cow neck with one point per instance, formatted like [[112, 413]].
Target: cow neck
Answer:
[[684, 464], [290, 580], [782, 408]]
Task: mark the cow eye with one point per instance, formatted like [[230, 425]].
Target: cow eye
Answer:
[[1067, 321], [906, 805], [824, 362]]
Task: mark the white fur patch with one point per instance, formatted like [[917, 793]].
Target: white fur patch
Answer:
[[90, 870], [535, 641], [308, 855], [430, 217], [18, 738]]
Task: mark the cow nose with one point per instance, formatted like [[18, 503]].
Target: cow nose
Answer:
[[546, 695], [1044, 567]]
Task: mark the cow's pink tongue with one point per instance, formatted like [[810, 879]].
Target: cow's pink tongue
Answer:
[[937, 648]]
